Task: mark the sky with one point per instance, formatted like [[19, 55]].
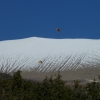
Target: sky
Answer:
[[40, 18]]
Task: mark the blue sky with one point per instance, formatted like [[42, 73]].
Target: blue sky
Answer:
[[40, 18]]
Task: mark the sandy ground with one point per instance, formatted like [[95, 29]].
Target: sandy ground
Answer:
[[83, 75]]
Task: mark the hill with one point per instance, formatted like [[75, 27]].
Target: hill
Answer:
[[40, 57]]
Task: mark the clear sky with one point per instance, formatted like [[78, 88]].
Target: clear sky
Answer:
[[40, 18]]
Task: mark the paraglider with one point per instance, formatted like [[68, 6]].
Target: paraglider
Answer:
[[58, 29], [39, 61]]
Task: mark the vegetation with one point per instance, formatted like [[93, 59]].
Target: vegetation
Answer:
[[16, 88]]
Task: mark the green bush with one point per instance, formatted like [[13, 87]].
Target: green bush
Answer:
[[16, 88]]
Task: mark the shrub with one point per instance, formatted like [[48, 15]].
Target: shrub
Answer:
[[50, 89]]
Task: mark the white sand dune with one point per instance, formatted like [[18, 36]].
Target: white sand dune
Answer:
[[45, 55]]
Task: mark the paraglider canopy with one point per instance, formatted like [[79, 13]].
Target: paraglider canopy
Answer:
[[39, 61], [58, 29]]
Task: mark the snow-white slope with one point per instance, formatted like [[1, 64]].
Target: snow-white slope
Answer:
[[55, 54]]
